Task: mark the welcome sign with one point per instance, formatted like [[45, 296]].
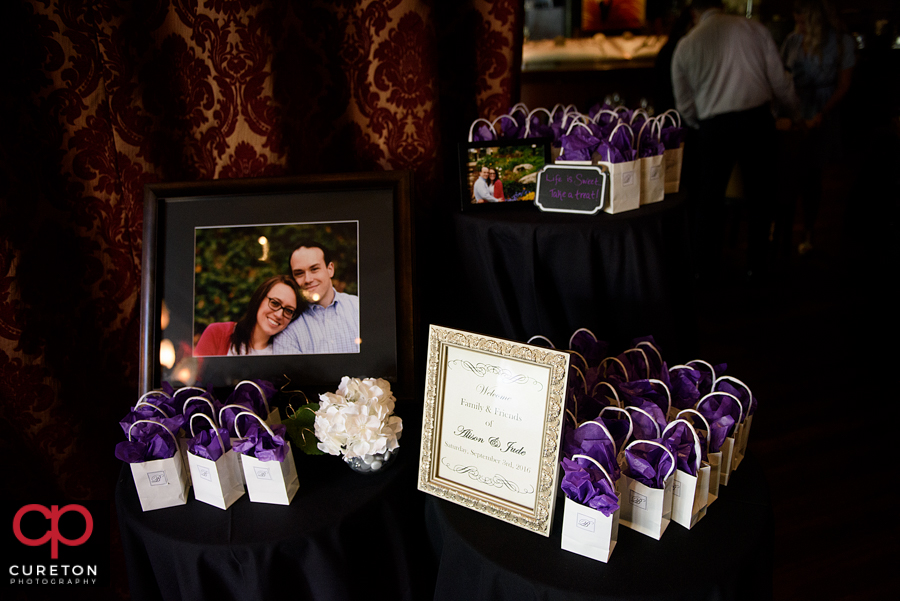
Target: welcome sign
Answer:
[[492, 425]]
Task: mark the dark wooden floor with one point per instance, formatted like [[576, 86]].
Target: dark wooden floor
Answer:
[[817, 344]]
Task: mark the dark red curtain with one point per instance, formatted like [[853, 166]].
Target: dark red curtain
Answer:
[[101, 97]]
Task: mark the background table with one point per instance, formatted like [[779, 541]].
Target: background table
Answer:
[[727, 555], [344, 536], [522, 272]]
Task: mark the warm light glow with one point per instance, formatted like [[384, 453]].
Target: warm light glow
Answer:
[[358, 341], [164, 318], [167, 353], [185, 375], [315, 298], [264, 242]]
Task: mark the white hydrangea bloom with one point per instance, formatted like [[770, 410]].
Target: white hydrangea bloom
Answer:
[[358, 420]]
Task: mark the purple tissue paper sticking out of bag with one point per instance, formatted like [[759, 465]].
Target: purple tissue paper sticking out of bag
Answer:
[[585, 484], [683, 386], [147, 448], [648, 464], [579, 145], [680, 441], [247, 394], [257, 442], [206, 444], [591, 440]]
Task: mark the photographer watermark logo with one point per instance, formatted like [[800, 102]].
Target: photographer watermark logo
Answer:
[[57, 543]]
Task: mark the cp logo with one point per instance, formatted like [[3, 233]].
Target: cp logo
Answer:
[[53, 534]]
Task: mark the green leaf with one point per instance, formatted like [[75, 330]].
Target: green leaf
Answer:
[[301, 429]]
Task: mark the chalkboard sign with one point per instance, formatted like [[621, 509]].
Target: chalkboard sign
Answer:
[[571, 189]]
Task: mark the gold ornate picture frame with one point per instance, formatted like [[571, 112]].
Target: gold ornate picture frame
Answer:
[[492, 426]]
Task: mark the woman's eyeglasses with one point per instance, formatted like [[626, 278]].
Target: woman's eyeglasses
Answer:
[[275, 305]]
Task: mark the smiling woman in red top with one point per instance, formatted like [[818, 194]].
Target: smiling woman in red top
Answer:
[[272, 307]]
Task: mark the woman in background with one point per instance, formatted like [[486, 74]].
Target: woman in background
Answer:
[[274, 304], [820, 58], [498, 185]]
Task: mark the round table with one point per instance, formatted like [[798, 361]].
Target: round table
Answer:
[[523, 273], [344, 536], [726, 555]]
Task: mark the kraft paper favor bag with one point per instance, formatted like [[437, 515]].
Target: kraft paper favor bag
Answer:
[[643, 508], [691, 490], [160, 483], [216, 482], [743, 394], [653, 168], [586, 530], [673, 157], [713, 460], [269, 481], [730, 407]]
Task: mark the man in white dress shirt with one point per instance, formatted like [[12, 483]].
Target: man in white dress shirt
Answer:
[[331, 322], [726, 73], [483, 190]]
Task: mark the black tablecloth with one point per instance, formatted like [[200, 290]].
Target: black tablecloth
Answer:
[[726, 556], [524, 272], [344, 536]]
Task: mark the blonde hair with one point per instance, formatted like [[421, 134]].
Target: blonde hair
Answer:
[[820, 19]]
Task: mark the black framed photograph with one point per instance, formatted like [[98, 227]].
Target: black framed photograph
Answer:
[[501, 172], [306, 279]]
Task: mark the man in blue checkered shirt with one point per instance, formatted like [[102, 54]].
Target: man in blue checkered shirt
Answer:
[[331, 322]]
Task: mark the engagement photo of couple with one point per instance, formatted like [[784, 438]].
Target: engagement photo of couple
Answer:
[[276, 290]]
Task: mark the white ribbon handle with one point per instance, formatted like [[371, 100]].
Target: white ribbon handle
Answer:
[[698, 414], [495, 121], [655, 350], [653, 124], [486, 122], [611, 387], [528, 119], [627, 415], [262, 394], [749, 394], [205, 400], [578, 122], [602, 427], [607, 112], [616, 359], [639, 112], [600, 467], [581, 376], [671, 114], [650, 417], [214, 427], [146, 396], [150, 421], [668, 393], [720, 393], [690, 426], [627, 127], [148, 404], [646, 361], [258, 418], [711, 369], [538, 337], [572, 337], [663, 447]]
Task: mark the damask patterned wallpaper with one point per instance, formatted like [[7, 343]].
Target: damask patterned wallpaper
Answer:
[[102, 97]]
